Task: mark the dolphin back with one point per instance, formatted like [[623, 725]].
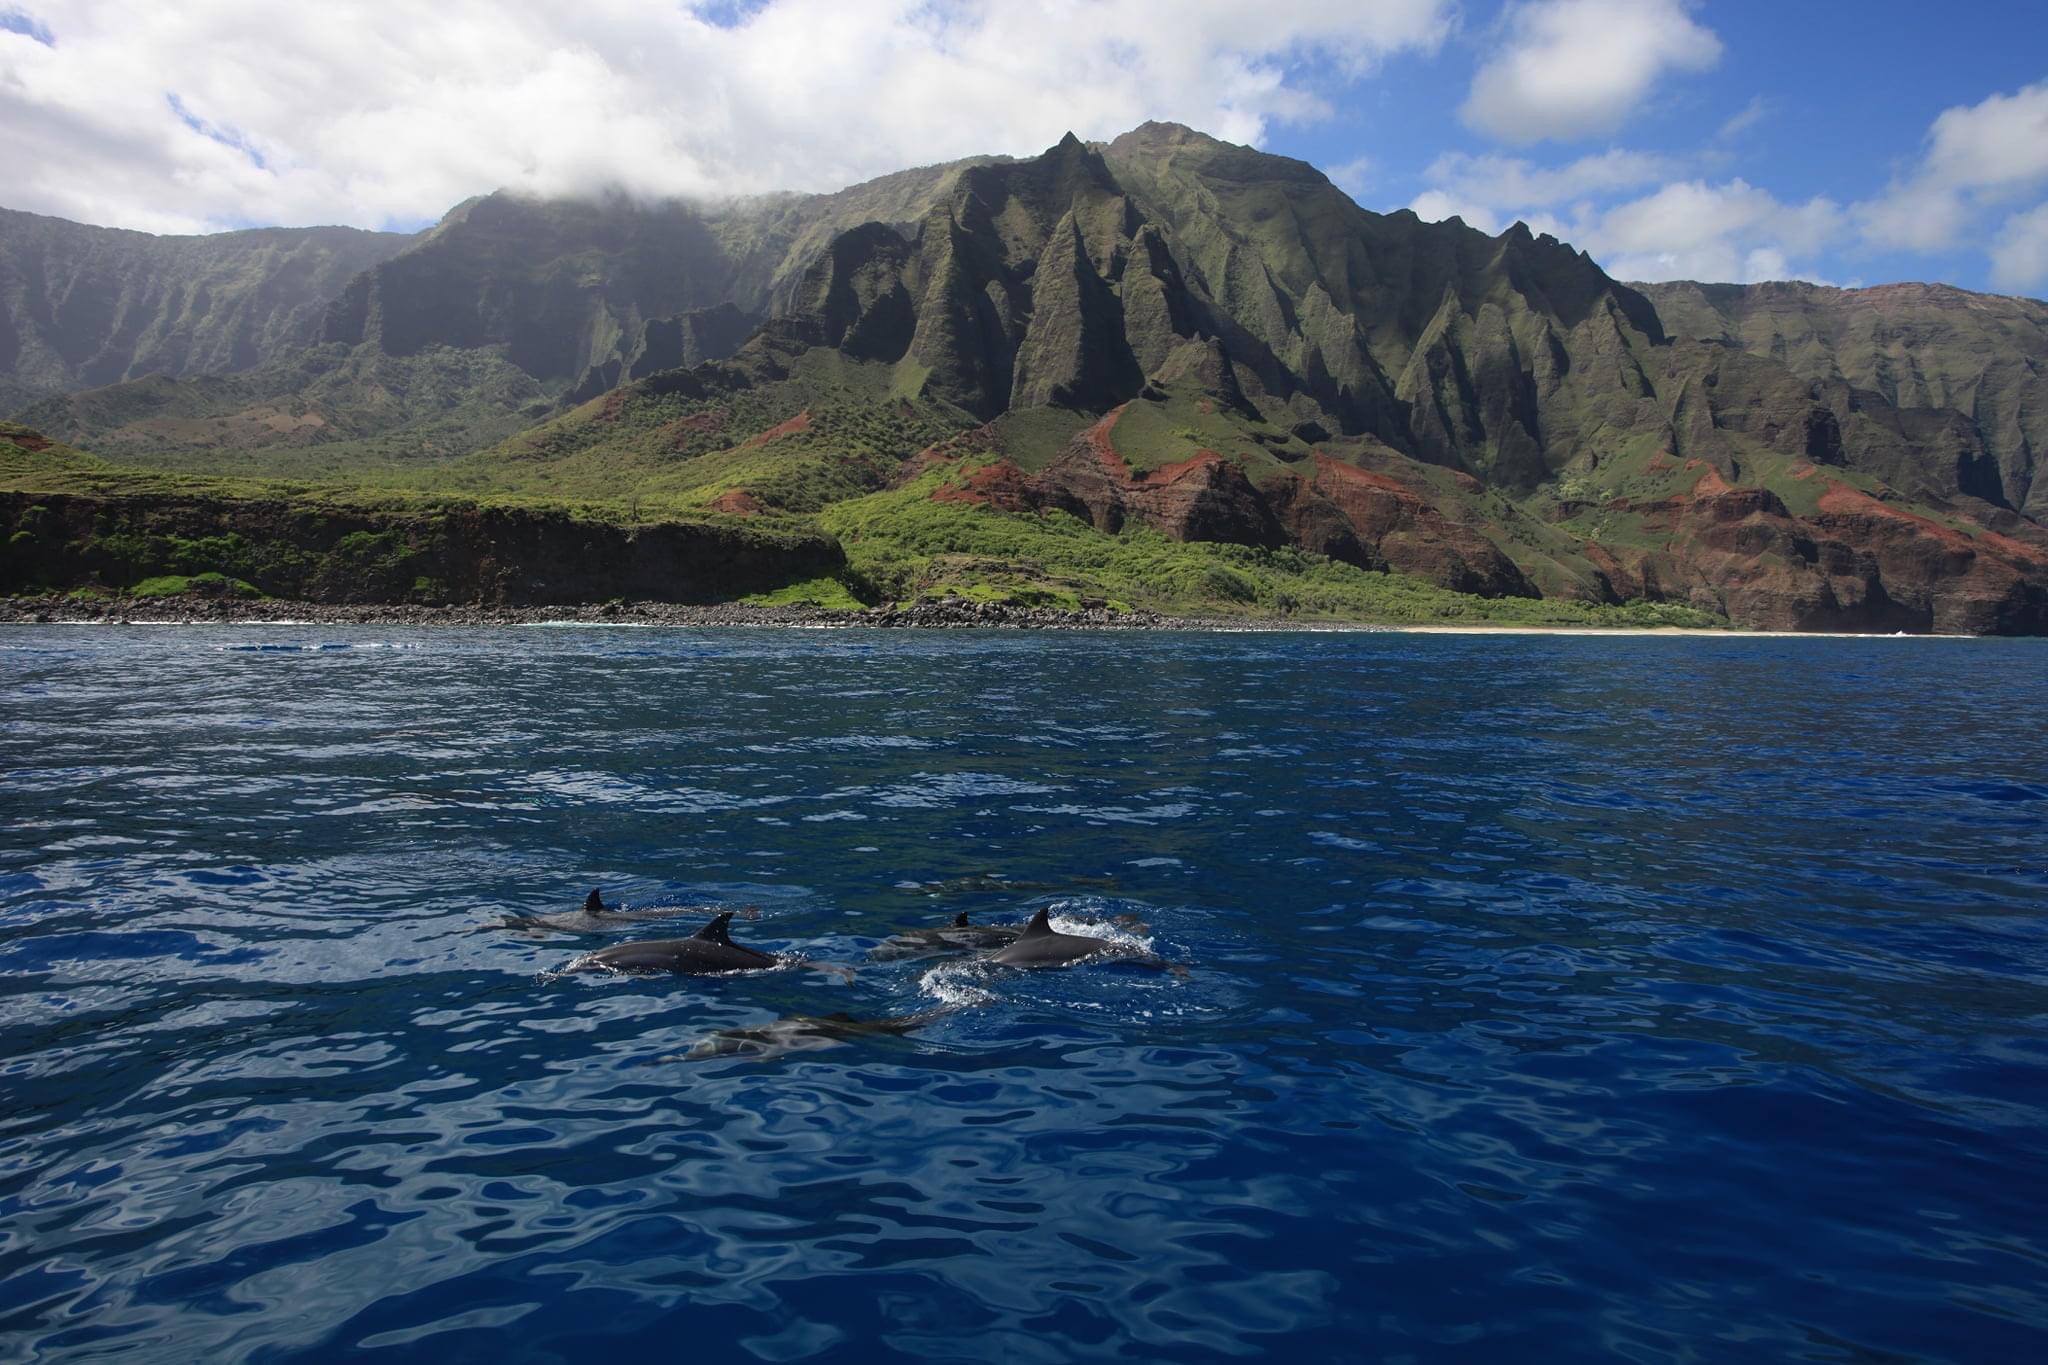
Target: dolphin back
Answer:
[[709, 950], [1040, 945]]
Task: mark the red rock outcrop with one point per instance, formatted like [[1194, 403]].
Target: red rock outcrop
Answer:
[[736, 502], [1203, 498], [1858, 564], [800, 422], [1002, 485], [1377, 522], [1337, 509]]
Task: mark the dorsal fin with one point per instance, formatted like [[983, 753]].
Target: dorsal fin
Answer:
[[593, 904], [960, 920], [715, 932], [1041, 923]]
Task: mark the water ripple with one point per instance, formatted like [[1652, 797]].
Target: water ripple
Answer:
[[1630, 999]]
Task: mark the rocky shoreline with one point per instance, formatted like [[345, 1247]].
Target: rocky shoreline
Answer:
[[948, 613]]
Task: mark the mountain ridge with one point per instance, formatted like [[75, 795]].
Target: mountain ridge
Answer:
[[84, 306], [1919, 345], [1168, 331]]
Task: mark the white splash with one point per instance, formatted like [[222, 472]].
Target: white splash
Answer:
[[1081, 917], [956, 984]]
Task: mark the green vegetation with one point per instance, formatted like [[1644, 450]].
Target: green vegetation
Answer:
[[1920, 345], [829, 430], [811, 592], [323, 414], [133, 303], [900, 545], [907, 546], [1486, 411], [212, 584], [1033, 437], [1151, 434], [70, 521], [54, 468]]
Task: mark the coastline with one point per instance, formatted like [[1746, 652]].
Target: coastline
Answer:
[[1729, 633], [941, 614], [227, 611]]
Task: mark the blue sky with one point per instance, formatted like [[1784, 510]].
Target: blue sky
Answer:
[[1714, 139], [1834, 100]]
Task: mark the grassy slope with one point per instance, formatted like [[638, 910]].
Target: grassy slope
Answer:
[[680, 451], [683, 452], [85, 305], [68, 519], [60, 469], [820, 446], [833, 429], [324, 413], [634, 462], [1613, 505], [907, 546], [1920, 345]]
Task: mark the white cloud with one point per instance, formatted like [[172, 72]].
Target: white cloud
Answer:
[[1999, 144], [1577, 67], [1744, 119], [1978, 156], [1490, 192], [1915, 217], [1512, 182], [1732, 232], [364, 112], [1353, 177], [1692, 212], [2019, 254], [1434, 206], [1686, 229]]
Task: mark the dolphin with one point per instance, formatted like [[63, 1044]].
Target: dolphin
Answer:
[[803, 1033], [1041, 945], [708, 951], [594, 918], [960, 936]]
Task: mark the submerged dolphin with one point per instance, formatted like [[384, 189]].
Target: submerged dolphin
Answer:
[[803, 1033], [960, 936], [594, 918], [709, 950], [1041, 945]]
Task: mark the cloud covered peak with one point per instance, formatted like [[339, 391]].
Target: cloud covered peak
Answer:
[[213, 113]]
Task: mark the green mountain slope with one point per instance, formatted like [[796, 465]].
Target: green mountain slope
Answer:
[[1034, 377], [1918, 345], [84, 306], [572, 295], [327, 411], [1197, 340], [69, 521]]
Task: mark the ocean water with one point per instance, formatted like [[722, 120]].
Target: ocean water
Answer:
[[1570, 998]]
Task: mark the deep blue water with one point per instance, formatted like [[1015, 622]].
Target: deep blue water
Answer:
[[1546, 998]]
